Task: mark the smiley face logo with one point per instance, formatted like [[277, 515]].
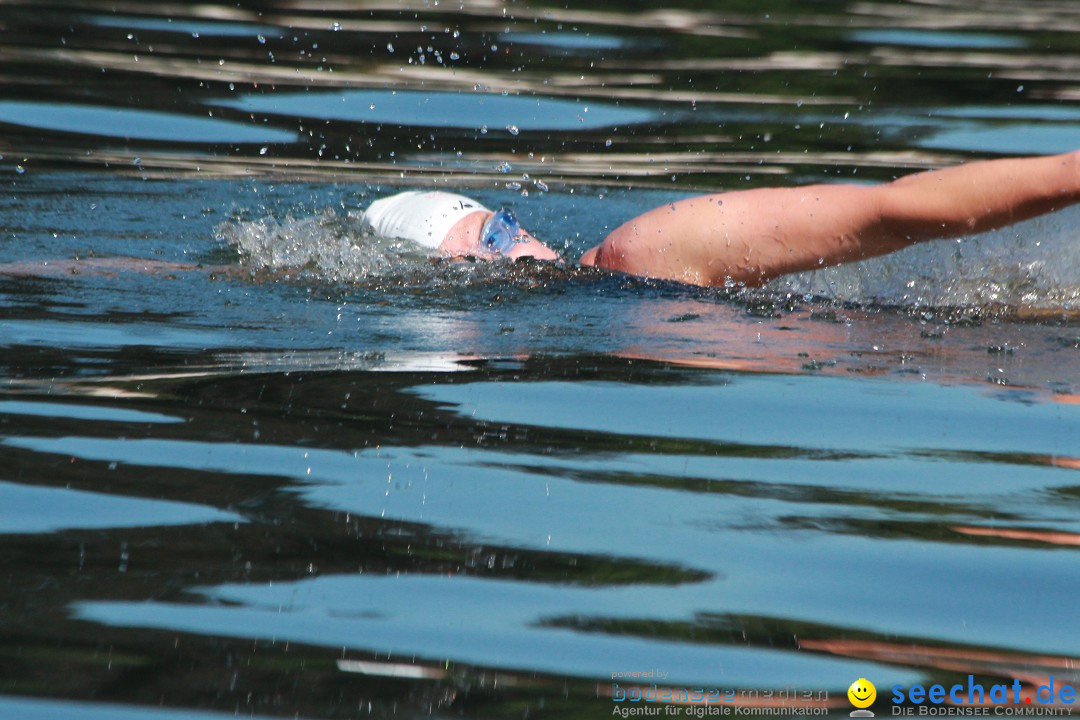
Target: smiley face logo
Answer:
[[862, 693]]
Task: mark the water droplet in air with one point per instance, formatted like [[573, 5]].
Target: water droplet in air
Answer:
[[454, 56], [20, 169], [263, 150], [512, 129], [607, 143], [389, 47], [262, 39], [503, 167], [335, 26]]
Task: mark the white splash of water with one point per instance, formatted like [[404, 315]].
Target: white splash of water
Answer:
[[1035, 264], [325, 245], [335, 248]]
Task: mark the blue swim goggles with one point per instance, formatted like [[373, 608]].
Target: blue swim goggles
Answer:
[[501, 232]]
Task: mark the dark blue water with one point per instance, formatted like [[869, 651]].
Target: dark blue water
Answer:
[[254, 462]]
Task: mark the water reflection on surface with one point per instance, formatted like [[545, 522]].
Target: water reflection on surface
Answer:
[[688, 71], [435, 109], [254, 462], [416, 518], [133, 124]]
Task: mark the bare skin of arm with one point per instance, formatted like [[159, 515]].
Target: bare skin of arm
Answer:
[[752, 236]]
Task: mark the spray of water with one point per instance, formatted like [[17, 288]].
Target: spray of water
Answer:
[[339, 249], [1034, 265], [325, 246]]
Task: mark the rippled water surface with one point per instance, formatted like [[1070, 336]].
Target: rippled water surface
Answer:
[[256, 462]]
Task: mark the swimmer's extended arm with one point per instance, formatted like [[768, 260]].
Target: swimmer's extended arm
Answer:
[[752, 236]]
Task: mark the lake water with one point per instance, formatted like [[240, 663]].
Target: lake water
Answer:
[[254, 462]]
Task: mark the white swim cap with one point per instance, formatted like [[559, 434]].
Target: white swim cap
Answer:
[[423, 217]]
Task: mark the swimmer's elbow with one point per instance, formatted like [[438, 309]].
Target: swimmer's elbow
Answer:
[[618, 253], [592, 257]]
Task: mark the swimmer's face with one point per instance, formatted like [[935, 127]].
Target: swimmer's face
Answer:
[[463, 240]]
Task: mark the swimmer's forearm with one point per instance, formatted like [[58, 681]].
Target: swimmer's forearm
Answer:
[[961, 200], [979, 196]]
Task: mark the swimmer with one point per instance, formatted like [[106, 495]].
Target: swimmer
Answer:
[[737, 238], [748, 237]]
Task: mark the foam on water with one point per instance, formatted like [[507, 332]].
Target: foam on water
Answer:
[[324, 245], [338, 248], [1030, 265]]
